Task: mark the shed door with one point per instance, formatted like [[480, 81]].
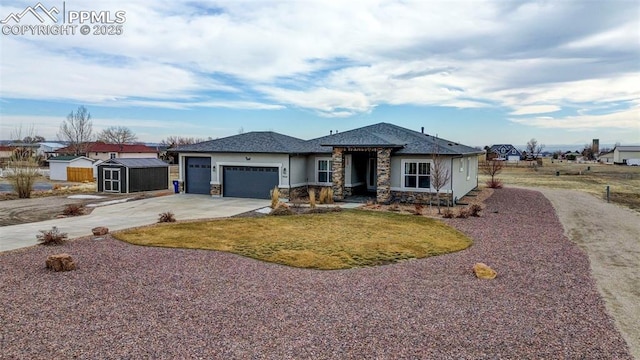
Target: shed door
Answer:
[[111, 180], [249, 181], [198, 175]]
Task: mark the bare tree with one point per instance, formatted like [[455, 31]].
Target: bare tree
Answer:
[[175, 141], [440, 174], [77, 130], [493, 168], [587, 152], [33, 139], [22, 167], [534, 149], [117, 135]]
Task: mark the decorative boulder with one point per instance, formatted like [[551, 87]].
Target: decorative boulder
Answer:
[[100, 230], [60, 262], [483, 271]]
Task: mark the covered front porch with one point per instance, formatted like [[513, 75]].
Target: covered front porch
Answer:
[[362, 172]]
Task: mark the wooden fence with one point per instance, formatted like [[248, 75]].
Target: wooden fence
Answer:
[[79, 174]]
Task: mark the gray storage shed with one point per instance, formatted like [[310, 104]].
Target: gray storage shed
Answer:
[[132, 175]]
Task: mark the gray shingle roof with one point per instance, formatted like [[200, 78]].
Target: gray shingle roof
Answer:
[[378, 135], [251, 142], [389, 135], [137, 163]]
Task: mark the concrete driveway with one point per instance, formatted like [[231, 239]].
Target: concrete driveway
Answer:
[[130, 214]]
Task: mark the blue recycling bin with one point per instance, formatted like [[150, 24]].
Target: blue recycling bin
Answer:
[[176, 186]]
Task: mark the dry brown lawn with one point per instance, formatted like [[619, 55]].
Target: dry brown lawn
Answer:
[[624, 181], [338, 240]]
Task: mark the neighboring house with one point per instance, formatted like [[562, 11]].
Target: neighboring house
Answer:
[[104, 151], [48, 149], [622, 154], [383, 160], [504, 152], [59, 165], [606, 158], [132, 175], [573, 156], [6, 152]]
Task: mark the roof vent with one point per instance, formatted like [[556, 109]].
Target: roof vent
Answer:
[[422, 129], [330, 132]]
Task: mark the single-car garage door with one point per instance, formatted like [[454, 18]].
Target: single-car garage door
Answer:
[[249, 181], [198, 175]]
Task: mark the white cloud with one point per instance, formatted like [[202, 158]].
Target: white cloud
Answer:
[[627, 119], [339, 59], [535, 109]]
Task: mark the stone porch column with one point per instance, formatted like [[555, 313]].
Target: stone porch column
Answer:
[[338, 173], [383, 185]]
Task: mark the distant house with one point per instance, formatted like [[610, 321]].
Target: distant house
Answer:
[[504, 152], [104, 151], [48, 149], [6, 152], [623, 154], [60, 166], [606, 158]]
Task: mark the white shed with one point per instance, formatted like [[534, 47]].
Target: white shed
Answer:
[[58, 165]]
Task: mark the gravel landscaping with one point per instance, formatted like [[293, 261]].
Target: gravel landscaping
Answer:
[[127, 301]]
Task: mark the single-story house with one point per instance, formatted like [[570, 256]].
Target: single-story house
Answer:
[[59, 165], [47, 149], [622, 154], [504, 152], [606, 158], [133, 175], [385, 161], [103, 151]]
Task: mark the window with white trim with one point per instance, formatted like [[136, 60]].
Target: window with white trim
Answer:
[[417, 175], [113, 155], [325, 171]]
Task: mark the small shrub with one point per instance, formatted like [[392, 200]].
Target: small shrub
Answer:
[[494, 184], [463, 213], [51, 237], [475, 210], [312, 199], [394, 207], [447, 214], [166, 217], [418, 208], [281, 209], [275, 197], [326, 195], [296, 203], [73, 210]]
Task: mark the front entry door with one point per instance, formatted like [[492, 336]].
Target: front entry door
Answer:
[[372, 174]]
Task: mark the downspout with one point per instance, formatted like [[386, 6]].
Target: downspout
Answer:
[[451, 181], [289, 177]]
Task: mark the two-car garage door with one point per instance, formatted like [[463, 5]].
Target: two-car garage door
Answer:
[[249, 181], [237, 181]]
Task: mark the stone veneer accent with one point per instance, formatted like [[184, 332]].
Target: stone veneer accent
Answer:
[[415, 197], [383, 185], [284, 193], [215, 189], [338, 173]]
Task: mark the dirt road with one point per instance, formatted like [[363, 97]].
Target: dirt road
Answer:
[[611, 237]]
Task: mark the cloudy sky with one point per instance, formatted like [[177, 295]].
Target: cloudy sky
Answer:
[[477, 72]]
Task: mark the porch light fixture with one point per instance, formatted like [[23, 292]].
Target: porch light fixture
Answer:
[[284, 171]]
